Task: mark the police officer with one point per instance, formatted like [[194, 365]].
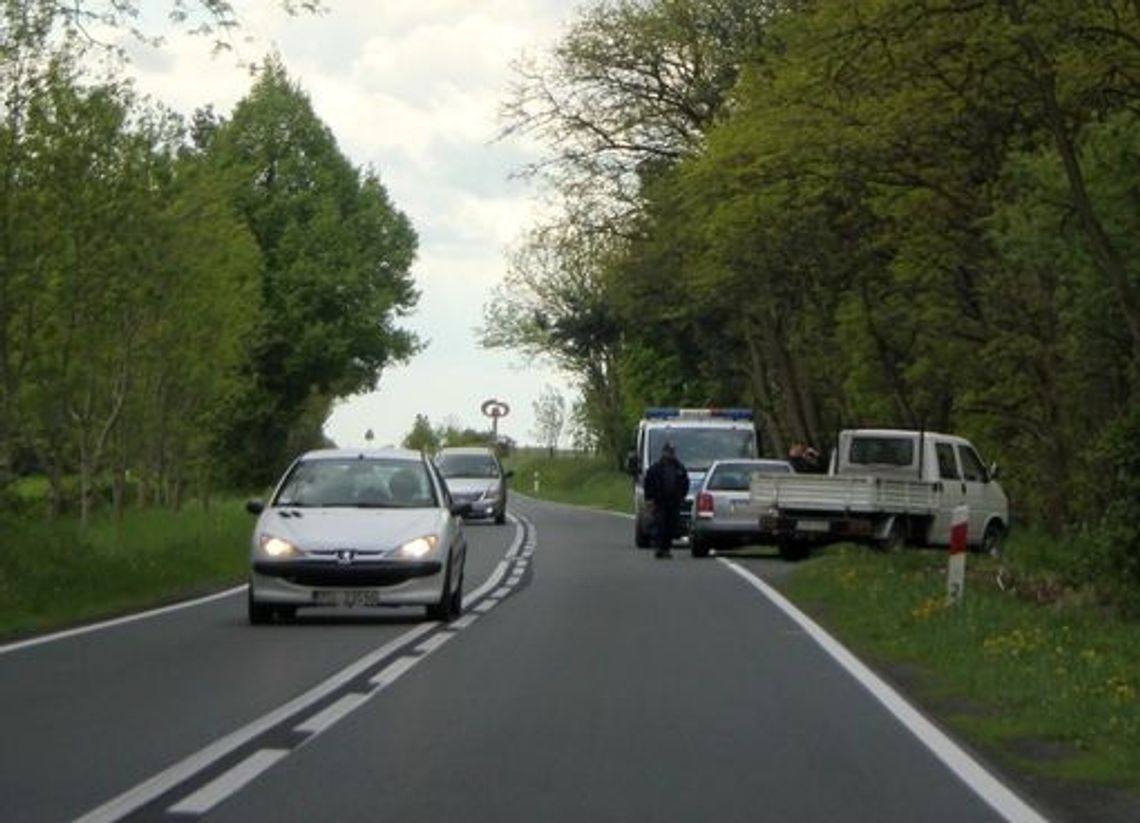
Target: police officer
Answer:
[[666, 484]]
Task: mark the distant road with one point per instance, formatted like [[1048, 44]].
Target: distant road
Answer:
[[587, 681]]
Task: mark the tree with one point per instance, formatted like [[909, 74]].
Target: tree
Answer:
[[422, 437], [631, 87], [85, 21], [553, 304], [336, 258], [549, 416]]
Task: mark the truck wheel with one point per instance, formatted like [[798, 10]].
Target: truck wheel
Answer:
[[993, 538], [792, 550], [896, 537], [699, 548]]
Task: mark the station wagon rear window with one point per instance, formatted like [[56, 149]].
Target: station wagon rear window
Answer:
[[882, 451]]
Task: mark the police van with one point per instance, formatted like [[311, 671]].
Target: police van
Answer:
[[701, 437]]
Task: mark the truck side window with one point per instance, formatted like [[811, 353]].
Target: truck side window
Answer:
[[947, 465], [972, 466]]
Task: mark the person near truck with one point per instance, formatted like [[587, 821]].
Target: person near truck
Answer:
[[805, 459], [666, 484]]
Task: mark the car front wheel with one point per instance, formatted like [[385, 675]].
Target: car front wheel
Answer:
[[259, 613], [450, 603]]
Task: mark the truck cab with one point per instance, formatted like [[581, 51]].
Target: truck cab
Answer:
[[701, 436]]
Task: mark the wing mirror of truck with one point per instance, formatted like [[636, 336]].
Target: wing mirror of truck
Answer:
[[994, 472], [631, 464]]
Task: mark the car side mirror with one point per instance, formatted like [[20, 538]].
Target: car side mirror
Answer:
[[631, 464], [254, 506], [508, 474], [994, 472]]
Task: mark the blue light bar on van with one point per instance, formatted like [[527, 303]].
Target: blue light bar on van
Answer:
[[675, 413]]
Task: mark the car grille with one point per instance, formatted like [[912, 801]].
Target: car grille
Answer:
[[357, 574]]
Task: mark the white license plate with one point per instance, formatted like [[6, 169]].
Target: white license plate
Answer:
[[813, 525], [349, 598]]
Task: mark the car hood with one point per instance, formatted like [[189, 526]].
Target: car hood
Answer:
[[472, 485], [358, 528]]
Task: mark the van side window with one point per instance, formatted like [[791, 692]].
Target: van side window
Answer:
[[972, 466], [947, 465]]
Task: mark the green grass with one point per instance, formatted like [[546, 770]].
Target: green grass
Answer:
[[1053, 688], [58, 573], [586, 481]]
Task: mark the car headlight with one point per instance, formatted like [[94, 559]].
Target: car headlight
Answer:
[[491, 495], [276, 547], [418, 547]]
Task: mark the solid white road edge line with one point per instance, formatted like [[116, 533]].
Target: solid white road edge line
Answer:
[[119, 621], [223, 786], [995, 793], [132, 799]]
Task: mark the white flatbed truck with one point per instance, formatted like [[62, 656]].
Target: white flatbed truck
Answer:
[[887, 487]]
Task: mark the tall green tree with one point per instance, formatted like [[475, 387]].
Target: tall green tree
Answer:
[[336, 257]]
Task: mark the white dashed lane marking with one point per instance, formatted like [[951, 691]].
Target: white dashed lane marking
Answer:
[[326, 717], [218, 789]]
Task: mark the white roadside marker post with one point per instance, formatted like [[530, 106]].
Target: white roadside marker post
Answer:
[[956, 571]]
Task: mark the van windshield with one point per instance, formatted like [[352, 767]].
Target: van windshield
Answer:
[[698, 448]]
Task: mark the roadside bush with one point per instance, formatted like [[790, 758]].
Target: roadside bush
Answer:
[[1107, 552]]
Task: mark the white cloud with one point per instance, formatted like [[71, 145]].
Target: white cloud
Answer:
[[413, 90]]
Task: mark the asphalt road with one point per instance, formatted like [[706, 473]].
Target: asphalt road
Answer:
[[587, 681]]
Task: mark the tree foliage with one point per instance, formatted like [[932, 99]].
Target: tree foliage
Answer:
[[336, 256], [902, 212], [179, 305]]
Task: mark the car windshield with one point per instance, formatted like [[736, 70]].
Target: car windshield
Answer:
[[467, 465], [361, 483], [738, 476], [699, 448]]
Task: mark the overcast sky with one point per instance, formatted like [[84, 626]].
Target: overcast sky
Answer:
[[411, 88]]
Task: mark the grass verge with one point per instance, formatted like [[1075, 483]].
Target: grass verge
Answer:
[[1050, 688], [58, 573], [584, 481]]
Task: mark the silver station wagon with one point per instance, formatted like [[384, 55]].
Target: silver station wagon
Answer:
[[357, 528], [722, 516]]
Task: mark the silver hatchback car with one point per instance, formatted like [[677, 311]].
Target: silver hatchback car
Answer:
[[722, 515], [475, 475], [356, 528]]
